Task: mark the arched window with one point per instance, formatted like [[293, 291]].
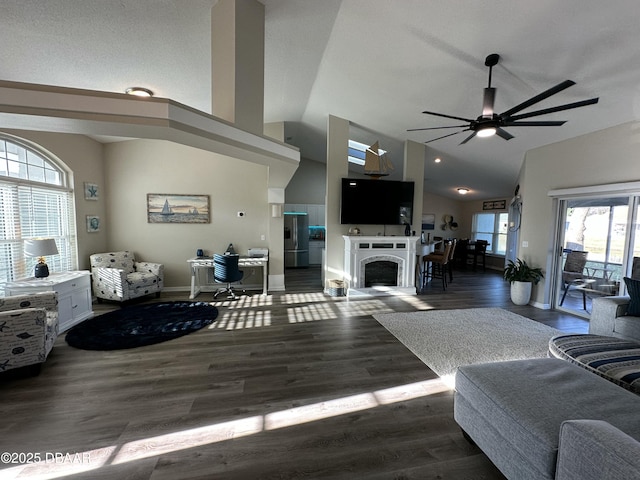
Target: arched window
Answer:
[[36, 201]]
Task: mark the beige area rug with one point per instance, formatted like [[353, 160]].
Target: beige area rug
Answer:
[[447, 339]]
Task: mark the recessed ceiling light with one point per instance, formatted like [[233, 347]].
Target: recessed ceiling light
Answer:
[[139, 92], [463, 191], [438, 160]]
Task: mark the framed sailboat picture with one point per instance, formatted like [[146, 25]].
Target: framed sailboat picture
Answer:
[[173, 208]]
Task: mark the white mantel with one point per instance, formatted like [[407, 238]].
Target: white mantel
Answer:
[[360, 250]]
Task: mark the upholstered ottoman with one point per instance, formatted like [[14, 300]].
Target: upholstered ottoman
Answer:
[[613, 358], [514, 411]]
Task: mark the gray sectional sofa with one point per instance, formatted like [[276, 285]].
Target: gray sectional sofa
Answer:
[[546, 418], [608, 317]]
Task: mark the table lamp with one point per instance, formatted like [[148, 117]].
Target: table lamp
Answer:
[[39, 247]]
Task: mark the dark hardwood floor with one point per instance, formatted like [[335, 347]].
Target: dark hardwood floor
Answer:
[[289, 386]]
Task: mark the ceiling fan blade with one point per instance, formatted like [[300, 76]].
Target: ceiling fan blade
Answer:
[[435, 128], [468, 138], [488, 101], [503, 134], [542, 123], [448, 116], [559, 108], [538, 98], [445, 136]]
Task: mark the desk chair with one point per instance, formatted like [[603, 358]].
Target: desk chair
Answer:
[[572, 273], [226, 270]]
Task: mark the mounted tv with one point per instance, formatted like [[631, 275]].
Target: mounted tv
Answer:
[[376, 202]]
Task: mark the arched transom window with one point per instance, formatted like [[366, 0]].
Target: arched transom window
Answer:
[[35, 202]]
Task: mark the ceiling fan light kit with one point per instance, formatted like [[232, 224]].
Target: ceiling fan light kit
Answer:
[[490, 123], [486, 132]]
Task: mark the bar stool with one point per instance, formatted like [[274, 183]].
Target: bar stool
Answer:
[[435, 265]]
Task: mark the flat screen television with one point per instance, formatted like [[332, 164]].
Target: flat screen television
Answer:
[[376, 202]]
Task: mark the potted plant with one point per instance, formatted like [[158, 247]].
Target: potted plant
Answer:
[[521, 276]]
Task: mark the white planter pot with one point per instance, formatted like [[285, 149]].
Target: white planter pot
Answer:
[[520, 292]]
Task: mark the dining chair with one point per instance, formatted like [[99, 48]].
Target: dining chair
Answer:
[[478, 249]]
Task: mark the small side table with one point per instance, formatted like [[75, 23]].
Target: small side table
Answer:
[[74, 294]]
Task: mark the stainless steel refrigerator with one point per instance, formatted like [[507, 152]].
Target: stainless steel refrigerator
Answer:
[[296, 240]]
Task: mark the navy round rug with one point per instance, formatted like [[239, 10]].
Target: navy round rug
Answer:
[[140, 325]]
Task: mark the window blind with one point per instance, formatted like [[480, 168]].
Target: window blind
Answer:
[[34, 211]]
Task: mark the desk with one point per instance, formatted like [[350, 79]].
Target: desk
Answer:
[[197, 263]]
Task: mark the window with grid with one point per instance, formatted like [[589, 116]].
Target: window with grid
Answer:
[[35, 202], [493, 228]]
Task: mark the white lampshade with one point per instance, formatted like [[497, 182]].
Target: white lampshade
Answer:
[[40, 247]]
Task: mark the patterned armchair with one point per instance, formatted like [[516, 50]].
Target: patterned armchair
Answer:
[[117, 276], [28, 330]]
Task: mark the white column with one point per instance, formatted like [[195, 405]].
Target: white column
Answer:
[[237, 63]]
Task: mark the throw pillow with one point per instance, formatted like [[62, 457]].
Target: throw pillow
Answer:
[[633, 287]]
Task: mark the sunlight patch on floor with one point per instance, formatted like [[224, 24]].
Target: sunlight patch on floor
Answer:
[[220, 432], [244, 301], [310, 313], [239, 320], [293, 298], [419, 303], [356, 308]]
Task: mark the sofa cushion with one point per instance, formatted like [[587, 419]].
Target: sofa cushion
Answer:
[[524, 402], [614, 359], [633, 287]]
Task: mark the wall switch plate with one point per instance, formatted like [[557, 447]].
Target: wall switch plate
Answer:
[[262, 237], [525, 244]]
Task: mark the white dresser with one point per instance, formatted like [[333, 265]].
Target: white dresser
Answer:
[[74, 294]]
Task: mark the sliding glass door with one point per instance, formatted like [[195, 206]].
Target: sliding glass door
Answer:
[[593, 240]]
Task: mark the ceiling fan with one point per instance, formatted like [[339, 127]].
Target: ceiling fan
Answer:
[[490, 123]]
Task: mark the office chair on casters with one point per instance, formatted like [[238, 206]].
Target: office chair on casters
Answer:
[[225, 270]]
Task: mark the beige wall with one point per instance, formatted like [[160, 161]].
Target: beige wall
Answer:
[[138, 167], [440, 206], [308, 184], [83, 157], [606, 156]]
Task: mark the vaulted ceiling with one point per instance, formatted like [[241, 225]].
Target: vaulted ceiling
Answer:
[[377, 63]]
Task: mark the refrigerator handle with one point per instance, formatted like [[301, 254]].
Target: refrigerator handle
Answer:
[[295, 233]]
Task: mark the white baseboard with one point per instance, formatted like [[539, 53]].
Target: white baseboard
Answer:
[[276, 283]]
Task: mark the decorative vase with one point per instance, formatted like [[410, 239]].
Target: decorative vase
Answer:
[[520, 292]]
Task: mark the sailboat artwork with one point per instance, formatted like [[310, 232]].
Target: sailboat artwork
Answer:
[[170, 208], [166, 209], [376, 164]]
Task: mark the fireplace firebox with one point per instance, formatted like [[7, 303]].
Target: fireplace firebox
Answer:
[[380, 265]]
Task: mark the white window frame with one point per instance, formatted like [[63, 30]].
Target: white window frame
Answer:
[[36, 201], [494, 235]]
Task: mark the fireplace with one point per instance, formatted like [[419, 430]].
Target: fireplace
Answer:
[[380, 265], [380, 273]]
